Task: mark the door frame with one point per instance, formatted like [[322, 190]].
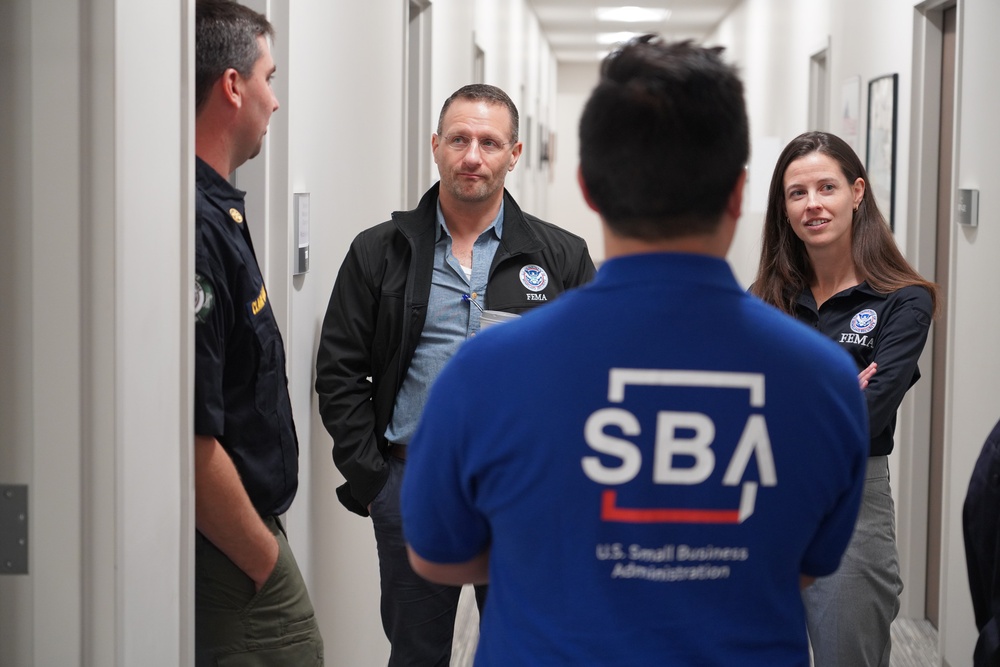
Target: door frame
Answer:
[[914, 428]]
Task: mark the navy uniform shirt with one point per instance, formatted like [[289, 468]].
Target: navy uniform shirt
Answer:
[[241, 392], [889, 329]]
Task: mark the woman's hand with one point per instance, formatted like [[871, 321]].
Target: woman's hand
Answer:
[[866, 375]]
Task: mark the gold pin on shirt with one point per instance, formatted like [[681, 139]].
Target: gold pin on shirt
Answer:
[[236, 215]]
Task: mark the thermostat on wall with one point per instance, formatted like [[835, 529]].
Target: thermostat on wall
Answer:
[[967, 207], [301, 233]]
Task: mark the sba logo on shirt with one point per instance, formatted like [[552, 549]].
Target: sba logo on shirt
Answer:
[[754, 443]]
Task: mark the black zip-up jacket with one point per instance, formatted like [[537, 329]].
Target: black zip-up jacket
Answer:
[[376, 315], [889, 329]]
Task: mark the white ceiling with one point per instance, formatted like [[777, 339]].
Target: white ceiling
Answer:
[[572, 28]]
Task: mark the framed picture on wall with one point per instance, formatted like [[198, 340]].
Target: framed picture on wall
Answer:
[[881, 156], [850, 111]]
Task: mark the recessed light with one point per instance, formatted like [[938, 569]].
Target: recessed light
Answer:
[[615, 37], [632, 14]]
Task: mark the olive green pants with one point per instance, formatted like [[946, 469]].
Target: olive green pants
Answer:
[[236, 625]]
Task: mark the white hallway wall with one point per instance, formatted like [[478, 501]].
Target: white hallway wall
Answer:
[[567, 208], [344, 108]]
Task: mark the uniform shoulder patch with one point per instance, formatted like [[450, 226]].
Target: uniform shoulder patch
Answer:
[[204, 298]]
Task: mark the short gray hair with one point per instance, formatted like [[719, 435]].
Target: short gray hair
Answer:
[[487, 93]]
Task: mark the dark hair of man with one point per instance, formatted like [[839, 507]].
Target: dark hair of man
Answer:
[[785, 270], [476, 92], [225, 36], [663, 139]]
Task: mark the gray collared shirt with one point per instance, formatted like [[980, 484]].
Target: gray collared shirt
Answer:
[[451, 319]]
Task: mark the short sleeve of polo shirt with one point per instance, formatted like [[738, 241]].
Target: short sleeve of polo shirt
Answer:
[[823, 556], [847, 432], [213, 311], [440, 520]]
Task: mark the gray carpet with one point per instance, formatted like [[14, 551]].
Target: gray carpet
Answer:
[[914, 643]]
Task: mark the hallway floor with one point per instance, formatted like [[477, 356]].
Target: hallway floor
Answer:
[[914, 643]]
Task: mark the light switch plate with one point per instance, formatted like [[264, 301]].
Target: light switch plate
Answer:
[[301, 233]]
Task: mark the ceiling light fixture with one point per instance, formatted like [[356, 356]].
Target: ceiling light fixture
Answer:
[[632, 14], [615, 37]]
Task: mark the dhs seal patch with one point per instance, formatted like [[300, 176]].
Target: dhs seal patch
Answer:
[[534, 277], [864, 321]]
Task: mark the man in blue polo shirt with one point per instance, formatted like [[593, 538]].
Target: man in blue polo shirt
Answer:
[[648, 469]]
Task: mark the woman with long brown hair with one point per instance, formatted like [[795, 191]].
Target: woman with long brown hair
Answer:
[[829, 259]]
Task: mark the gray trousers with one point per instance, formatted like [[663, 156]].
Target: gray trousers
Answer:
[[849, 612], [235, 625]]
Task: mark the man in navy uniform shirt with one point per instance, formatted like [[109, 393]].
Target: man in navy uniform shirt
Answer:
[[251, 604]]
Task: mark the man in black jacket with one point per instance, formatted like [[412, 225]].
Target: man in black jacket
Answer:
[[409, 292]]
